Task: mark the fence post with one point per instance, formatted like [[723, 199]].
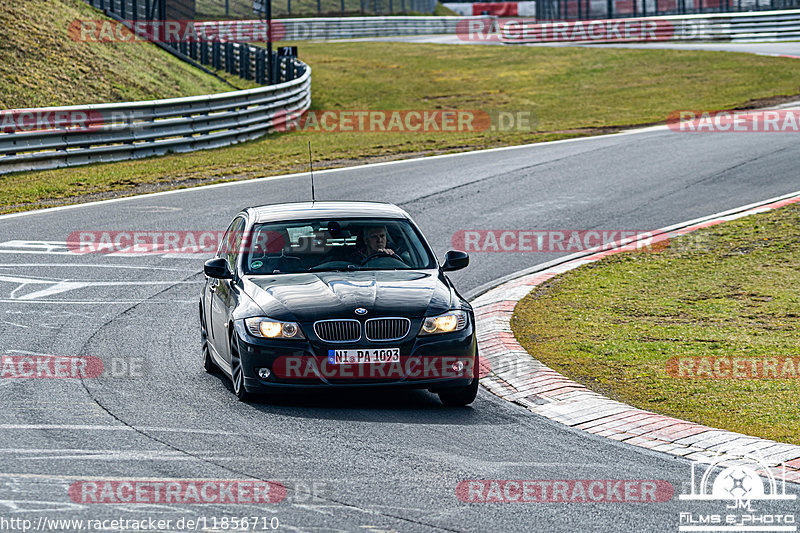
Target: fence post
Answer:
[[260, 60], [244, 62], [204, 52], [216, 52], [230, 60]]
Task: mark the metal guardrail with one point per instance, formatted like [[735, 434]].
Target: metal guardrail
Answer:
[[354, 27], [781, 25], [320, 29], [131, 130], [244, 8], [605, 9]]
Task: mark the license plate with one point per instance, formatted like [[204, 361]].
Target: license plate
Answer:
[[365, 356]]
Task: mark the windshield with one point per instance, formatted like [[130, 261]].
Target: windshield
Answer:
[[330, 245]]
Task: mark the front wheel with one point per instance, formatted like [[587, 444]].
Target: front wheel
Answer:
[[208, 363], [461, 396], [237, 373]]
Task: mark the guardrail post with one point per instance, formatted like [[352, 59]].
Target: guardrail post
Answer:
[[229, 58], [204, 52], [244, 62], [216, 55], [261, 58]]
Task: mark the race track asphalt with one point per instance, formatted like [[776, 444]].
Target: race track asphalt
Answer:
[[377, 461]]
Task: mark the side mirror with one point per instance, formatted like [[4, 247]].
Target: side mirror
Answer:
[[217, 268], [455, 260]]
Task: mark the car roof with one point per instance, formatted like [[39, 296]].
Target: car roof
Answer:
[[305, 210]]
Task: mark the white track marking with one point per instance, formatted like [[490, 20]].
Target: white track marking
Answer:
[[304, 175], [90, 265], [49, 454], [35, 247], [79, 427], [14, 506], [61, 248], [96, 302], [61, 286]]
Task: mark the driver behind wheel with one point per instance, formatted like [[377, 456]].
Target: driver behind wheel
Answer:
[[375, 240], [372, 243]]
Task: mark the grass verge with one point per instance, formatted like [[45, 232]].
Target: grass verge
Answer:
[[40, 65], [567, 91], [729, 291]]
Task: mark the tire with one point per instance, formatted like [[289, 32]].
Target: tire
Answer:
[[237, 373], [208, 362], [461, 396]]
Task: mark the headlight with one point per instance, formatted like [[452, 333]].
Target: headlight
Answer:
[[446, 323], [272, 329]]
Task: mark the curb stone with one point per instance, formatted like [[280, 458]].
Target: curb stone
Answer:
[[514, 375]]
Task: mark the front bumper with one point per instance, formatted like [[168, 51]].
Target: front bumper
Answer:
[[427, 362]]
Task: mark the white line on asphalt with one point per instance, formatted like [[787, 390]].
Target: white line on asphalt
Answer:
[[304, 175], [96, 302], [90, 265], [110, 455], [78, 427]]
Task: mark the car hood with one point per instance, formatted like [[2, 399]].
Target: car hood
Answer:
[[320, 295]]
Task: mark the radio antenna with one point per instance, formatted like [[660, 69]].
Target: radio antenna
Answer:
[[311, 171]]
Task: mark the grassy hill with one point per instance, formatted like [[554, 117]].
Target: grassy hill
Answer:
[[41, 66]]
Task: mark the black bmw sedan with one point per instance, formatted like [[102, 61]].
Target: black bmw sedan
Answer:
[[336, 294]]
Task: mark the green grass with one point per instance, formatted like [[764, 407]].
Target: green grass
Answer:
[[40, 65], [568, 92], [726, 291]]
